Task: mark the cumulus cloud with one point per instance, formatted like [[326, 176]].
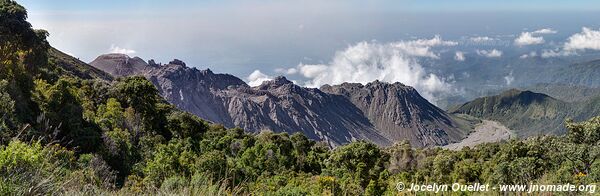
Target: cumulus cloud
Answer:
[[509, 79], [530, 54], [490, 53], [481, 39], [545, 31], [389, 62], [286, 71], [256, 78], [527, 38], [587, 39], [421, 47], [117, 49], [459, 56]]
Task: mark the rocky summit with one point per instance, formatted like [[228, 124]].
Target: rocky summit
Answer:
[[379, 112], [398, 112]]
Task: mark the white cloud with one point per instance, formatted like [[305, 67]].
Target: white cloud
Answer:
[[117, 49], [287, 71], [389, 62], [556, 53], [530, 54], [459, 56], [256, 78], [509, 79], [481, 39], [526, 38], [312, 71], [490, 53], [587, 39], [545, 31], [420, 47]]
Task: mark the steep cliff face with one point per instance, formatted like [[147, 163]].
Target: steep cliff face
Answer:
[[379, 112], [280, 105], [277, 105], [399, 112], [196, 91]]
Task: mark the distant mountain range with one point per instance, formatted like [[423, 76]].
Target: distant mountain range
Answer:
[[379, 112], [566, 92], [582, 74], [477, 77]]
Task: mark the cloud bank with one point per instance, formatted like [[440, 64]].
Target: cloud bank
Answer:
[[481, 39], [587, 39], [389, 62]]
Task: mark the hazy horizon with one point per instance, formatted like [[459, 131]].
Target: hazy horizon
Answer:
[[315, 42]]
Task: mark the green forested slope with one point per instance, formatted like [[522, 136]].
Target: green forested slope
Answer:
[[529, 113], [68, 65], [526, 112]]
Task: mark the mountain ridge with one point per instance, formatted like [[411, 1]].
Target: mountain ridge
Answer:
[[528, 113], [282, 106]]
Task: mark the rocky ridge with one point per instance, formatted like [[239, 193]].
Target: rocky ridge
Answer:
[[379, 112]]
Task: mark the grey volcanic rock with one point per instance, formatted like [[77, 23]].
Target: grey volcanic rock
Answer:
[[196, 91], [119, 65], [279, 105], [399, 112], [378, 112]]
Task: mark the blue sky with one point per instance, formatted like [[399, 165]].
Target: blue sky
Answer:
[[240, 37], [448, 5]]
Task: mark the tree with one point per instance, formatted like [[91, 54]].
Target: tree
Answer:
[[60, 104], [111, 115], [581, 146], [19, 43], [186, 125], [141, 95], [22, 51], [7, 109], [361, 162], [402, 157]]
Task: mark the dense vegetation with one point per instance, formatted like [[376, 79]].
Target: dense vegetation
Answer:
[[63, 133], [530, 113]]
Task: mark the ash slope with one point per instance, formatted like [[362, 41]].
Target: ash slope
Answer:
[[379, 112]]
